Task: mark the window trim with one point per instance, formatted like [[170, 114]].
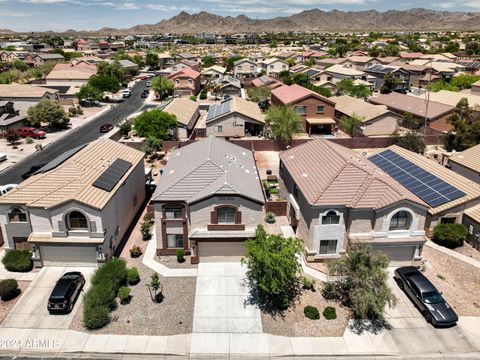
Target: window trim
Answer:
[[173, 209], [298, 107], [328, 247], [69, 225], [18, 211], [395, 217], [229, 211], [328, 215], [177, 236], [323, 109]]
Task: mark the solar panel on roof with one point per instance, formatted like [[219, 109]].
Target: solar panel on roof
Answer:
[[431, 189], [264, 79], [218, 109], [112, 175]]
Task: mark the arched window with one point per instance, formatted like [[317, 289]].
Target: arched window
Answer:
[[77, 221], [400, 221], [17, 215], [330, 218]]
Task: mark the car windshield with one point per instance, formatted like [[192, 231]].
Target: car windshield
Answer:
[[433, 297]]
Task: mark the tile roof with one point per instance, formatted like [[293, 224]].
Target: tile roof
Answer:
[[72, 180], [185, 72], [359, 59], [183, 109], [452, 98], [208, 167], [288, 94], [470, 188], [24, 90], [350, 105], [330, 174], [414, 105], [235, 105], [264, 80], [81, 71], [340, 69], [474, 213], [469, 158]]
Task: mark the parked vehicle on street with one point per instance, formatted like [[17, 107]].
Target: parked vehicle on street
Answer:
[[65, 293], [89, 102], [126, 93], [3, 157], [425, 296], [144, 94], [31, 132], [105, 128], [149, 83], [6, 188]]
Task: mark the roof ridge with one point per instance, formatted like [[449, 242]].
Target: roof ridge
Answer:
[[363, 189]]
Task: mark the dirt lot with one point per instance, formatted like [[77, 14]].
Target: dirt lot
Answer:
[[6, 306], [460, 286], [295, 323], [469, 251]]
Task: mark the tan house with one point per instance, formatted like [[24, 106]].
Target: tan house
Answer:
[[234, 117], [70, 74], [209, 200], [359, 62], [41, 59], [377, 120], [214, 72], [337, 197], [315, 110], [76, 209], [266, 81], [187, 113], [467, 163], [186, 82], [27, 92], [245, 69], [273, 67]]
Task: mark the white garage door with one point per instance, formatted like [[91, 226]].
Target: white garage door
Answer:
[[211, 250], [68, 255], [398, 255]]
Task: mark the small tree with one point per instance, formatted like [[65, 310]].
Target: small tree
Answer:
[[208, 61], [125, 128], [48, 112], [89, 92], [285, 122], [351, 124], [105, 83], [155, 124], [390, 82], [162, 86], [259, 94], [11, 136], [361, 282], [155, 286], [272, 266], [151, 60], [412, 140], [409, 122]]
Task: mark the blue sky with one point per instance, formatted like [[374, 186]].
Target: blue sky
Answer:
[[57, 15]]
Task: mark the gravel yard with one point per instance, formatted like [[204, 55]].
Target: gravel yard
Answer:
[[460, 285], [267, 160], [469, 251], [142, 316], [172, 263], [6, 306], [295, 323]]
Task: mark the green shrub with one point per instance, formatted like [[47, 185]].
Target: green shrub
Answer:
[[95, 317], [203, 95], [148, 218], [330, 313], [329, 291], [29, 140], [193, 98], [113, 272], [9, 289], [135, 251], [311, 312], [18, 260], [180, 255], [270, 218], [100, 295], [145, 230], [308, 283], [273, 191], [450, 235], [133, 277], [124, 295]]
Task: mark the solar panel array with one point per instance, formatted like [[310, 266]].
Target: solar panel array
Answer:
[[380, 68], [112, 175], [264, 79], [431, 189], [218, 109]]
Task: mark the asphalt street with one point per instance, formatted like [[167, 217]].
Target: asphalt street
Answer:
[[82, 135]]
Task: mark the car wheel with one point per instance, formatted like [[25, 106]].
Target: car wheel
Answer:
[[429, 318], [399, 282]]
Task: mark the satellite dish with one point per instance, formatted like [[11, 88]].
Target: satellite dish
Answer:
[[364, 153]]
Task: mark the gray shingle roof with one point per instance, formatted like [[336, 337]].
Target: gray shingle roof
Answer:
[[212, 166]]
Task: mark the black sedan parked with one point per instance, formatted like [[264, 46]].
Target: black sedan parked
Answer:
[[65, 293], [425, 296]]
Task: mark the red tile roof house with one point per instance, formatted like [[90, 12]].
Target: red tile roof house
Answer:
[[186, 82], [437, 114], [316, 111], [265, 80]]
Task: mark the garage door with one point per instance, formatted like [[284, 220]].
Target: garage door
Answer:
[[209, 250], [68, 255], [398, 255]]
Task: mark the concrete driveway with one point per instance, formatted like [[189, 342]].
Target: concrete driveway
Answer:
[[31, 310], [221, 300]]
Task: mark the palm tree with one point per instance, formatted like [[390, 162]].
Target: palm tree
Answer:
[[284, 121]]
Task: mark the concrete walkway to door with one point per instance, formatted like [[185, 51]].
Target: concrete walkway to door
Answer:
[[222, 300]]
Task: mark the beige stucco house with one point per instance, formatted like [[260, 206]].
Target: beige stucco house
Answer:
[[187, 113], [208, 201]]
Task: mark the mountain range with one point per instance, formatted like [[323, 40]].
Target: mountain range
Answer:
[[308, 20]]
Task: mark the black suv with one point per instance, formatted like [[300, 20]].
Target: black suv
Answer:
[[65, 292], [425, 296]]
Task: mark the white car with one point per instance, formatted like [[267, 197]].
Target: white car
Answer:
[[3, 157], [149, 83], [6, 188], [126, 93]]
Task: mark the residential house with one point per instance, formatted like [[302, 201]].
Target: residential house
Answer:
[[41, 59], [228, 86], [234, 117], [76, 209], [467, 163], [378, 72], [187, 113], [405, 55], [359, 63], [436, 116], [209, 200], [337, 198], [264, 80], [68, 78], [273, 67], [327, 62], [451, 98], [315, 110], [185, 64], [214, 72], [129, 66], [27, 92], [475, 88], [417, 72], [10, 116], [245, 69], [190, 57], [186, 82], [377, 120], [337, 73]]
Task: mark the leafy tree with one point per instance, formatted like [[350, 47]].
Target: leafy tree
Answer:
[[301, 79], [274, 44], [137, 59], [10, 48], [259, 94], [11, 136], [361, 282], [285, 122], [389, 84], [48, 112], [162, 86], [114, 69], [412, 140], [452, 47], [151, 60], [104, 83], [351, 124], [361, 91], [20, 65], [309, 62], [89, 92], [344, 86], [290, 62], [472, 47], [208, 61], [410, 122], [465, 132], [231, 60], [340, 50], [374, 51], [272, 265], [155, 124], [391, 50], [152, 145]]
